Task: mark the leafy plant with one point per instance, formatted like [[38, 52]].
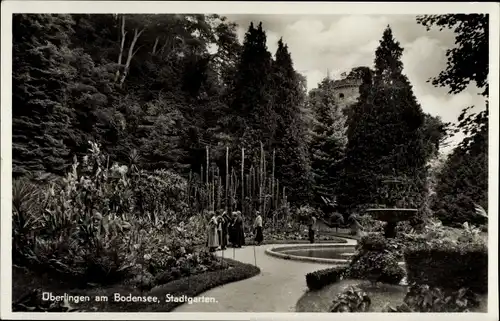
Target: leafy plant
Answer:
[[97, 225], [422, 298], [351, 300]]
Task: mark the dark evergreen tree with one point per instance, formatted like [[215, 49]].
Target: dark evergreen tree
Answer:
[[328, 140], [292, 161], [40, 70], [386, 134], [252, 119]]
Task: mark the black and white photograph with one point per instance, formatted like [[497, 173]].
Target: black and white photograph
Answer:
[[291, 159]]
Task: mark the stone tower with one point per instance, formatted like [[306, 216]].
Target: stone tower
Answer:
[[346, 91]]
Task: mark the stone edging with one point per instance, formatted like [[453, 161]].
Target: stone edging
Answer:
[[272, 252]]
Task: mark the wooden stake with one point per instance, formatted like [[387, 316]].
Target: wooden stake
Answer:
[[272, 182], [227, 180], [254, 255], [242, 181]]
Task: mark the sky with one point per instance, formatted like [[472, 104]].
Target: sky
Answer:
[[337, 43]]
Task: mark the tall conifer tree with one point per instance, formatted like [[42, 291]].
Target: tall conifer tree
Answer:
[[386, 133], [252, 119], [292, 162], [328, 139]]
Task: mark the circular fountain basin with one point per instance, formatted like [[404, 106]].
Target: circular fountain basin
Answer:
[[337, 254], [392, 215]]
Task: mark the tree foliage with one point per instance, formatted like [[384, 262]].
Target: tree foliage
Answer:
[[328, 140], [386, 132], [463, 182]]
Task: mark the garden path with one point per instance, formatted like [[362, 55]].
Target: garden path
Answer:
[[276, 289]]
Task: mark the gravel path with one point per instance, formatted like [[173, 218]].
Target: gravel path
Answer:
[[276, 289]]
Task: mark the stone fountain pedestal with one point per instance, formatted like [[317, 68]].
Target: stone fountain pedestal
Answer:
[[391, 216]]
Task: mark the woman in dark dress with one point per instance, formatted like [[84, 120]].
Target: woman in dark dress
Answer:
[[232, 229], [241, 224], [239, 236], [224, 230]]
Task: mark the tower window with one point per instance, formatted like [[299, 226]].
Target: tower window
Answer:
[[341, 95]]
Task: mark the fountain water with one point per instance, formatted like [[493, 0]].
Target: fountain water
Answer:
[[392, 214]]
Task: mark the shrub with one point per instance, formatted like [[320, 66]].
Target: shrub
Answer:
[[373, 242], [376, 259], [376, 266], [351, 300], [378, 242], [318, 279], [422, 298], [448, 266]]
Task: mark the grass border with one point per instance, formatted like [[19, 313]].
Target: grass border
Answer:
[[197, 284]]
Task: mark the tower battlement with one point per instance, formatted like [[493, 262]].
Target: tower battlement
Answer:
[[346, 91], [343, 83]]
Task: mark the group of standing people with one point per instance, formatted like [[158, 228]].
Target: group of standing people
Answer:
[[224, 230]]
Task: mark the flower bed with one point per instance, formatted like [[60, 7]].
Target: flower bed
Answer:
[[190, 286], [105, 225]]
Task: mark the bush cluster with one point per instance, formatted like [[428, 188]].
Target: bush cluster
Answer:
[[376, 259], [103, 224], [318, 279], [449, 266], [441, 258]]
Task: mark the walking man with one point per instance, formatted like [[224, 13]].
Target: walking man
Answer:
[[257, 226]]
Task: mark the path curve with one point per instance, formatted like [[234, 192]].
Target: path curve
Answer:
[[277, 288]]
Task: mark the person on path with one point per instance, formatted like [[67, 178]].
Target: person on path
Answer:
[[219, 228], [312, 228], [237, 230], [240, 218], [257, 226], [232, 229], [212, 237], [224, 230]]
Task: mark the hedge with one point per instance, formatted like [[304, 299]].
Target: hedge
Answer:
[[318, 279], [449, 267], [197, 284]]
